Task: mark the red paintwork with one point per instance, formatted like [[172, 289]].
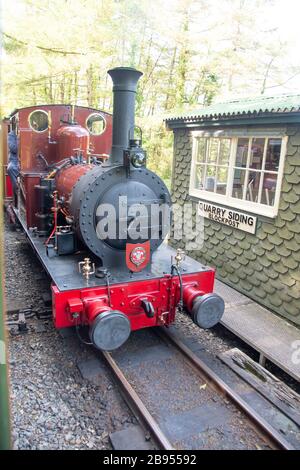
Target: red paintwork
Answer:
[[8, 187], [71, 137], [68, 177], [31, 143], [129, 248], [94, 307], [164, 293], [28, 199], [189, 295], [5, 180], [83, 305]]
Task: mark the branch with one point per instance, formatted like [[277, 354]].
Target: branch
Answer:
[[47, 49], [284, 83], [266, 75]]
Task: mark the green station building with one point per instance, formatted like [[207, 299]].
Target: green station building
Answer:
[[239, 164]]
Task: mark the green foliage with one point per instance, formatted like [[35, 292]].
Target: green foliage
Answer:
[[159, 145], [59, 51]]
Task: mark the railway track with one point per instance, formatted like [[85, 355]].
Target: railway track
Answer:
[[148, 418], [137, 406], [276, 440], [272, 438]]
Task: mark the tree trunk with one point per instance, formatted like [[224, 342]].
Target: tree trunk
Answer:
[[170, 80]]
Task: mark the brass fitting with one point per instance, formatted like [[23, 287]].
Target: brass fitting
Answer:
[[179, 257], [86, 268]]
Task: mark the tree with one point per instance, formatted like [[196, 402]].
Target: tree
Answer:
[[191, 52]]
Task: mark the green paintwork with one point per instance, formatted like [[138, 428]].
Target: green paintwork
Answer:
[[279, 109], [264, 266]]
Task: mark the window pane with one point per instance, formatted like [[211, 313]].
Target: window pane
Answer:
[[273, 154], [257, 153], [213, 150], [238, 183], [242, 152], [199, 176], [201, 148], [221, 180], [253, 186], [224, 151], [95, 124], [38, 120], [269, 188], [210, 178]]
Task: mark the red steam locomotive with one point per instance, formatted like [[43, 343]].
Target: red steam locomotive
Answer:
[[82, 170]]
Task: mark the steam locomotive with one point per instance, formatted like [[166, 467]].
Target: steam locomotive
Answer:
[[82, 170]]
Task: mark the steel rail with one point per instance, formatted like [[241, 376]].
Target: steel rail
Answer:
[[136, 405], [278, 441]]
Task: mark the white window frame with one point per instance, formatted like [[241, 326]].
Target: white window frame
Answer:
[[227, 200]]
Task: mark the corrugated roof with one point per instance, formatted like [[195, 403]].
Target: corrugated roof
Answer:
[[259, 105]]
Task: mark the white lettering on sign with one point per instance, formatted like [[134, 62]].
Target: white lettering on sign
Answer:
[[229, 217]]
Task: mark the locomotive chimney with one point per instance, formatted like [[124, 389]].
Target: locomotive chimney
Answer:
[[124, 88]]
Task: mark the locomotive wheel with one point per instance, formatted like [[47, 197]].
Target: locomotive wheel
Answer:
[[110, 330], [207, 310]]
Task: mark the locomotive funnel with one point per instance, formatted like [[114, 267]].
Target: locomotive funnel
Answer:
[[124, 88]]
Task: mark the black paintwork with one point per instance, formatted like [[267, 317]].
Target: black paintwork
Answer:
[[65, 242], [63, 270], [104, 185], [124, 88], [118, 179]]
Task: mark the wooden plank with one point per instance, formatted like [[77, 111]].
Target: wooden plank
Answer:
[[270, 335], [273, 389]]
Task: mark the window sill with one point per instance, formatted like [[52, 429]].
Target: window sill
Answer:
[[247, 206]]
